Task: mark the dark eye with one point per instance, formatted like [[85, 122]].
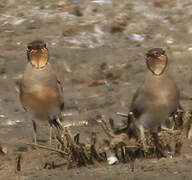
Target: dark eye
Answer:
[[155, 53], [29, 47], [38, 46], [45, 46]]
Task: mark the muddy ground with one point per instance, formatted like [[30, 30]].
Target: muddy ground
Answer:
[[90, 40]]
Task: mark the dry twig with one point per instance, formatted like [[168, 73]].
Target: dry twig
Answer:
[[48, 148]]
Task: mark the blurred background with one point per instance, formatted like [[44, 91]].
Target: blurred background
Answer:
[[92, 40]]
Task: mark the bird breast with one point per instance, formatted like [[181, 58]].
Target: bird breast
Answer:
[[161, 90]]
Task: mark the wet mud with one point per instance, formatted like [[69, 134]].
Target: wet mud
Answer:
[[98, 50]]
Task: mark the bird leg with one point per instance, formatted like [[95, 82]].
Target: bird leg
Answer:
[[34, 131], [50, 134], [141, 130], [143, 138]]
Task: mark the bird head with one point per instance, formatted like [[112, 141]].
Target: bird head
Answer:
[[37, 54], [156, 60]]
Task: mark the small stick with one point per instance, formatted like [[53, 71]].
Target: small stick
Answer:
[[48, 148], [69, 136], [170, 131], [18, 166], [66, 67], [122, 114], [105, 128], [132, 147]]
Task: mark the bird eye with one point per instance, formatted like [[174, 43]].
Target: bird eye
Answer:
[[155, 53], [29, 47], [38, 46]]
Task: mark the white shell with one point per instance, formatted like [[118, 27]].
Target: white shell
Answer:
[[112, 160]]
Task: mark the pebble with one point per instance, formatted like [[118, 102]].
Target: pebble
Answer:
[[112, 160], [138, 37]]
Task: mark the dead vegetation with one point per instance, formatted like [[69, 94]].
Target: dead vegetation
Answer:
[[122, 146]]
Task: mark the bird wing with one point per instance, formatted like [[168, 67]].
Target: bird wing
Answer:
[[18, 87], [61, 93], [138, 103]]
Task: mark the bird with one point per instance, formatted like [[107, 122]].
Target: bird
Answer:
[[40, 92], [158, 96]]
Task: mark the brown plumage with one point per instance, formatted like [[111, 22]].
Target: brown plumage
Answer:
[[158, 96], [40, 91]]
